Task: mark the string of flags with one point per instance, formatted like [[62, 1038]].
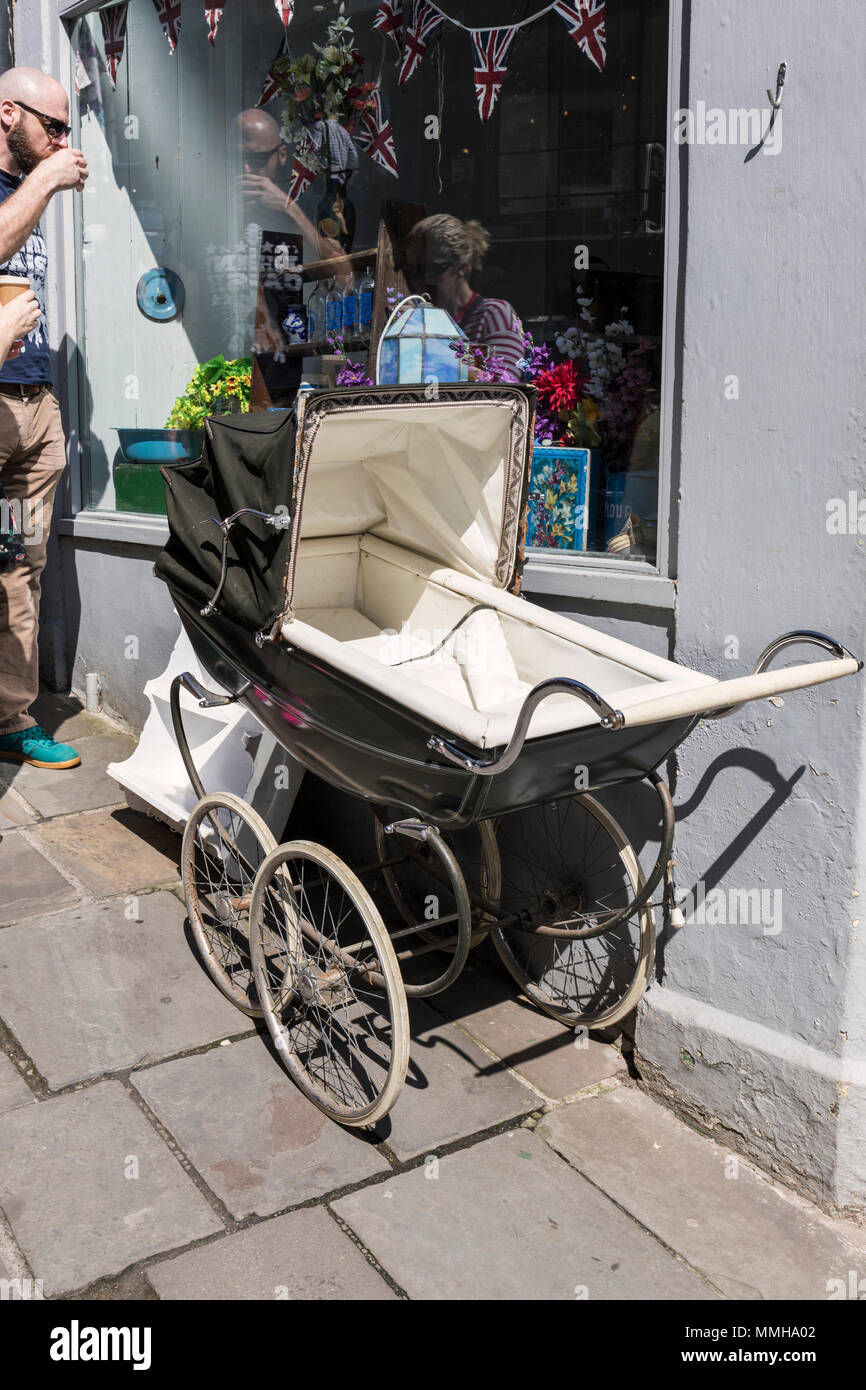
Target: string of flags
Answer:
[[584, 20]]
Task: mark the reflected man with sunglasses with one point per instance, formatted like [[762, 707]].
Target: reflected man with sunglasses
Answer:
[[35, 163]]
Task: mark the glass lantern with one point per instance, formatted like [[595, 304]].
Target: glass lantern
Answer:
[[416, 345]]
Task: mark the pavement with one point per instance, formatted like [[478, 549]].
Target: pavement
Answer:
[[152, 1147]]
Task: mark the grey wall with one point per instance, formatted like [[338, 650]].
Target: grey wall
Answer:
[[763, 1033]]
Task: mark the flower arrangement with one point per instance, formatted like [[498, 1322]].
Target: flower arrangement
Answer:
[[324, 85], [211, 382]]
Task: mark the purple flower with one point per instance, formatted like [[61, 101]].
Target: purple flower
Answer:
[[353, 374]]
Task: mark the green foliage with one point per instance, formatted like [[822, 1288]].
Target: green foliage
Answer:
[[324, 85], [211, 382]]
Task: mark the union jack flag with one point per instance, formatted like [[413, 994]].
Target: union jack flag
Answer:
[[168, 14], [585, 20], [389, 20], [492, 47], [376, 136], [302, 177], [113, 21], [425, 18], [285, 9], [213, 18], [272, 86]]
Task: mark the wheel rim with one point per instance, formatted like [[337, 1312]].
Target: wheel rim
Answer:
[[224, 845], [564, 866], [343, 1038]]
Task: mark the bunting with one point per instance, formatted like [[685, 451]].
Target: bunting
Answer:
[[168, 14], [585, 22], [212, 19], [302, 177], [113, 21], [491, 50], [425, 18], [389, 20], [272, 86], [376, 137], [286, 11]]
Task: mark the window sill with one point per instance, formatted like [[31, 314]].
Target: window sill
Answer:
[[129, 528], [636, 584]]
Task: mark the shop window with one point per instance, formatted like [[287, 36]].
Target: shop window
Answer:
[[566, 178]]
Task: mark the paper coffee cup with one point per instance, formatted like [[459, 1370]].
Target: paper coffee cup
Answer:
[[13, 285]]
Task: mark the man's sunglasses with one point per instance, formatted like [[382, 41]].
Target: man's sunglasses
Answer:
[[50, 124], [257, 159]]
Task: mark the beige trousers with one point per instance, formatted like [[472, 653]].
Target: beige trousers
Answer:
[[32, 458]]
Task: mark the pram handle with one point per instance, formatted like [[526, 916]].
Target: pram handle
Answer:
[[799, 636], [609, 718]]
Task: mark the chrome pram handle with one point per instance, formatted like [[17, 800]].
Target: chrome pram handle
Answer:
[[797, 637], [281, 521], [609, 718]]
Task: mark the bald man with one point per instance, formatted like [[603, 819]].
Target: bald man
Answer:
[[35, 163]]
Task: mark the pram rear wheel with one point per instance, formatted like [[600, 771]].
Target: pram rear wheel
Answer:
[[329, 983], [224, 844], [564, 867]]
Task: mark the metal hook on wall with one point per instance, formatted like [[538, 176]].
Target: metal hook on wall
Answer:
[[776, 101]]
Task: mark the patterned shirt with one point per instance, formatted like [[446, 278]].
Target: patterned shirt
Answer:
[[494, 323], [33, 365]]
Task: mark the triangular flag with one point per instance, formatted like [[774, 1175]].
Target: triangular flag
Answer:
[[389, 20], [168, 14], [585, 21], [272, 85], [425, 18], [491, 50], [212, 18], [113, 21], [286, 10], [376, 136]]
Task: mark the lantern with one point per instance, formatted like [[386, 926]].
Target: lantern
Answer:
[[416, 345]]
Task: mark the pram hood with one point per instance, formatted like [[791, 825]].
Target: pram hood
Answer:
[[442, 474]]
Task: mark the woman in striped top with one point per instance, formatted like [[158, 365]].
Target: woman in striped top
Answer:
[[443, 251]]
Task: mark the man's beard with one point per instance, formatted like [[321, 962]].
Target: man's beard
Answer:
[[22, 149]]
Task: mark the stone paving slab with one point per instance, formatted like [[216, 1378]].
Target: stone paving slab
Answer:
[[29, 885], [113, 852], [552, 1057], [56, 793], [66, 719], [742, 1234], [14, 1090], [452, 1089], [259, 1144], [63, 1186], [507, 1219], [93, 991], [304, 1255], [13, 808]]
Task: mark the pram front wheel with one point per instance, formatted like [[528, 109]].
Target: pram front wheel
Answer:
[[564, 867], [329, 983], [225, 843]]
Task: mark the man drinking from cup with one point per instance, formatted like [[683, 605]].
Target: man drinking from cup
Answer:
[[35, 163]]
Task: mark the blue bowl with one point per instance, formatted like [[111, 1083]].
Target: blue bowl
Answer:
[[160, 446]]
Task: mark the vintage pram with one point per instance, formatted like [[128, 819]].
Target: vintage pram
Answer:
[[349, 570]]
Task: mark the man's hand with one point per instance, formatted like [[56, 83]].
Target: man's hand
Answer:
[[264, 192], [64, 169]]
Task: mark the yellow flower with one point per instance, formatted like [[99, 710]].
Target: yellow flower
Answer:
[[557, 530], [550, 499], [571, 486], [591, 410]]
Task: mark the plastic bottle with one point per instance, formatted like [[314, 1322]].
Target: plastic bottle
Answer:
[[350, 310], [316, 314], [333, 309], [365, 301]]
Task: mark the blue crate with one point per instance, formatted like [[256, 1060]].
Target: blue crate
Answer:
[[559, 497]]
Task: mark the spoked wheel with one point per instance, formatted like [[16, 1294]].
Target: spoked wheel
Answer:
[[224, 845], [434, 885], [566, 867], [329, 983]]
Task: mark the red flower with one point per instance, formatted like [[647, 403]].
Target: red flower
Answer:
[[302, 93], [560, 388]]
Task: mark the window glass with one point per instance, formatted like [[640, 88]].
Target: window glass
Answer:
[[547, 220]]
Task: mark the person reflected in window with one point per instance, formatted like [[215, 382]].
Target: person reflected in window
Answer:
[[444, 252]]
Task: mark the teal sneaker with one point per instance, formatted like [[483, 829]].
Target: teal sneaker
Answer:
[[37, 748]]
